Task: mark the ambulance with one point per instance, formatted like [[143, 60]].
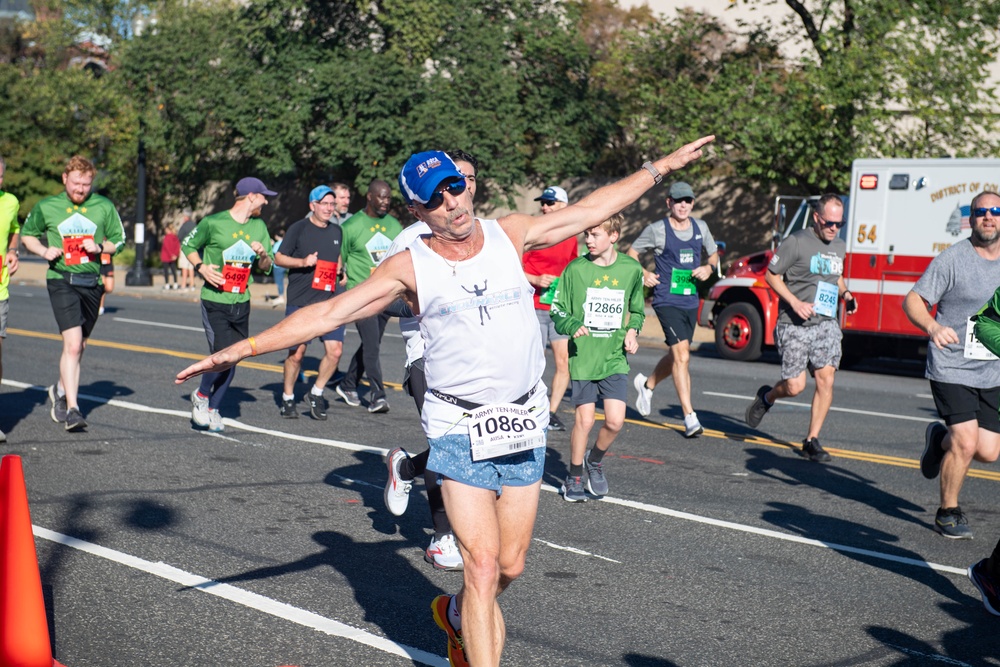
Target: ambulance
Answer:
[[901, 213]]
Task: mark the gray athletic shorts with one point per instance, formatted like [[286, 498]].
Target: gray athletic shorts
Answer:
[[451, 457], [4, 312], [801, 347], [548, 328], [588, 391]]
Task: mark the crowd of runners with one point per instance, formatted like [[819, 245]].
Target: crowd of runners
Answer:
[[519, 282]]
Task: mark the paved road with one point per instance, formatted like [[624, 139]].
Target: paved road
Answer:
[[269, 544]]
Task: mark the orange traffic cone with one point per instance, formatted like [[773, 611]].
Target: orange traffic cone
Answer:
[[24, 632]]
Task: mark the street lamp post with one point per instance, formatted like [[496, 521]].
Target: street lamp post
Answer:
[[139, 276]]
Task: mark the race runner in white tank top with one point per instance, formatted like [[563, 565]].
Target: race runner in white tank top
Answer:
[[478, 322]]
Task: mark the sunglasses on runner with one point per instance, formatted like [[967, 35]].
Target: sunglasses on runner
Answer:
[[981, 212], [454, 188], [831, 223], [684, 200]]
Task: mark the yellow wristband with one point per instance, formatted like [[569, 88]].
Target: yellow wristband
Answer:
[[253, 346]]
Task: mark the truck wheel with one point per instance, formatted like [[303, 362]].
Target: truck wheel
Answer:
[[739, 333]]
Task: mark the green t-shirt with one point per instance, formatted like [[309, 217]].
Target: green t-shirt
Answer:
[[608, 300], [60, 223], [8, 225], [366, 240], [225, 243]]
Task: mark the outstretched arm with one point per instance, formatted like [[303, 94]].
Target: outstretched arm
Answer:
[[530, 232], [391, 280]]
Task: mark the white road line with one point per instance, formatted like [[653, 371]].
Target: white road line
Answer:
[[924, 420], [642, 507], [574, 550], [158, 324], [246, 598]]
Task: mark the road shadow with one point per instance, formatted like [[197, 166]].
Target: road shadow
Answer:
[[978, 643], [16, 405], [394, 595], [836, 481], [801, 521]]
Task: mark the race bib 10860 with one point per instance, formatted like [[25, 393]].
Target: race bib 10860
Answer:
[[501, 429]]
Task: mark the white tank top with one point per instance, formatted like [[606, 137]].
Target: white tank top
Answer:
[[480, 331]]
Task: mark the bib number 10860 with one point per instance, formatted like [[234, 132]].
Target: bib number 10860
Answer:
[[504, 424], [502, 429]]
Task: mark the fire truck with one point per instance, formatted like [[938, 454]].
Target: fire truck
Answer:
[[901, 213]]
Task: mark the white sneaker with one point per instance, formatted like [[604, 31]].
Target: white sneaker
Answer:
[[692, 427], [397, 490], [278, 301], [443, 554], [199, 409], [643, 402], [215, 424]]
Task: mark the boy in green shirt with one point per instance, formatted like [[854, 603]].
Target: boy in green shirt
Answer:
[[599, 303]]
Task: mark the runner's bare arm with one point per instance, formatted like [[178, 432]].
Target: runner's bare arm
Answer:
[[530, 232], [392, 279]]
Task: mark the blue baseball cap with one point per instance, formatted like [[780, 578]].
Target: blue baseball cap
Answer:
[[250, 185], [423, 173], [319, 192]]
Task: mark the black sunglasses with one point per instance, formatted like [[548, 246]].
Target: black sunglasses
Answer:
[[683, 200], [981, 212], [454, 188], [831, 223], [547, 202]]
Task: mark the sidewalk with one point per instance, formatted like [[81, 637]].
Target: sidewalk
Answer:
[[32, 272]]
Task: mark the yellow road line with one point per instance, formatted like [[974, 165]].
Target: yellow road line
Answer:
[[709, 433]]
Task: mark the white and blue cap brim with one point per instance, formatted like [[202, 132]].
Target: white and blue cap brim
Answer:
[[423, 173]]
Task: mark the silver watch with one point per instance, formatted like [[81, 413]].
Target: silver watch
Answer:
[[653, 171]]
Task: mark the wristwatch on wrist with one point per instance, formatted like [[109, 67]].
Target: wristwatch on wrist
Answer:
[[653, 171], [197, 267]]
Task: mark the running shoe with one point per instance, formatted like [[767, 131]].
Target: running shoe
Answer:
[[397, 489], [288, 410], [317, 406], [930, 460], [75, 420], [812, 450], [644, 400], [199, 409], [555, 424], [572, 490], [692, 427], [58, 410], [379, 405], [350, 397], [456, 646], [758, 408], [215, 424], [980, 577], [597, 482], [443, 553], [952, 523]]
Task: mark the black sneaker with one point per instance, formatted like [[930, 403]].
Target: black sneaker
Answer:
[[930, 460], [555, 424], [952, 523], [317, 406], [288, 410], [75, 420], [979, 575], [58, 410], [758, 408], [812, 450]]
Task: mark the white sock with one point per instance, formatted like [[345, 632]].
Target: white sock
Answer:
[[60, 392], [316, 391], [453, 616], [287, 397]]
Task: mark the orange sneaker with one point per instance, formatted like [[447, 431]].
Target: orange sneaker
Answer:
[[456, 647]]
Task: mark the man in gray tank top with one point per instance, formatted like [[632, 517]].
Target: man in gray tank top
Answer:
[[493, 526]]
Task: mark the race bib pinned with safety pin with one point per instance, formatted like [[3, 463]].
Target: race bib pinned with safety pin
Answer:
[[501, 429]]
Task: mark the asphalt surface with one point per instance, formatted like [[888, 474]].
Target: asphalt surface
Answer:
[[270, 545]]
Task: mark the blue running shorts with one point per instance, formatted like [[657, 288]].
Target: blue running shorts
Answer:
[[451, 457]]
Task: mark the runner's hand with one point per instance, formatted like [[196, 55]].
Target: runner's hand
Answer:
[[942, 336], [91, 246], [211, 275], [312, 259], [582, 331], [632, 341], [803, 309], [52, 252], [258, 248], [12, 262], [702, 272], [650, 279], [220, 361]]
